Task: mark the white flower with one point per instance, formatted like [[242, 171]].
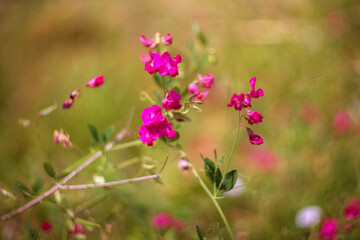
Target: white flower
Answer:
[[308, 216]]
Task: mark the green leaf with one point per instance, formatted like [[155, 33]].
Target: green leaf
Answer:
[[222, 160], [176, 89], [158, 79], [32, 233], [212, 172], [201, 233], [50, 169], [107, 133], [48, 110], [215, 155], [218, 231], [86, 223], [37, 184], [178, 127], [23, 189], [199, 34], [229, 180], [93, 132]]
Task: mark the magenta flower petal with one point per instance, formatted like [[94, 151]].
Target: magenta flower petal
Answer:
[[255, 93], [147, 42], [67, 104], [352, 210], [254, 117], [167, 40], [46, 226], [254, 138], [162, 221], [328, 229], [200, 96], [193, 89], [96, 81], [207, 80], [171, 101]]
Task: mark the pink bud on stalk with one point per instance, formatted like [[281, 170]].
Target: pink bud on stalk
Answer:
[[254, 138], [96, 81], [183, 164]]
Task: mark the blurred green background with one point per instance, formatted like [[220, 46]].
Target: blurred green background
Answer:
[[305, 54]]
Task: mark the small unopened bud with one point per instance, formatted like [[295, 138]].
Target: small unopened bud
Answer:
[[74, 93], [183, 164], [67, 103], [60, 137]]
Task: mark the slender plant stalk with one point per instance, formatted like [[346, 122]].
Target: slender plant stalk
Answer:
[[125, 145], [218, 208]]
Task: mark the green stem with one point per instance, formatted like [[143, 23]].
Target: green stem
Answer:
[[125, 145], [213, 200]]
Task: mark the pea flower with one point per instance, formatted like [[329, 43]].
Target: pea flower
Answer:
[[163, 64], [328, 229], [200, 96], [67, 103], [171, 101], [150, 43], [352, 210], [78, 229], [255, 93], [254, 138], [239, 101], [60, 137], [97, 81], [164, 221], [308, 216], [254, 117], [74, 93], [167, 40], [46, 226], [146, 58], [155, 125], [207, 80], [342, 121], [183, 164], [193, 88]]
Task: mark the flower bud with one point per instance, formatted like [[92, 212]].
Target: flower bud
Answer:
[[183, 164]]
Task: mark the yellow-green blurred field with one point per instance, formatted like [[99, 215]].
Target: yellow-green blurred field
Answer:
[[305, 55]]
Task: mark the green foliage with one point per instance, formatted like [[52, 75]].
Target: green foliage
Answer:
[[109, 131], [23, 189], [32, 233], [50, 169], [94, 133], [229, 180], [200, 232], [36, 187]]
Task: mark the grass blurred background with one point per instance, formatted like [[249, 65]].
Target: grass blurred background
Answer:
[[305, 54]]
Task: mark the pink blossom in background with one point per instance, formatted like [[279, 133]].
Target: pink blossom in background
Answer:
[[200, 96], [264, 159], [254, 117], [163, 64], [352, 210], [193, 88], [164, 221], [167, 40], [60, 137], [183, 164], [155, 125], [329, 229], [78, 229], [147, 58], [342, 121], [171, 101], [74, 93], [255, 93], [97, 81], [309, 112], [67, 104], [149, 43], [46, 226], [239, 101], [206, 80], [177, 225], [254, 138]]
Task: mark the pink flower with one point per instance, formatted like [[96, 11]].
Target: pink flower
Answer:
[[352, 210], [328, 229], [254, 138], [200, 96], [46, 226], [74, 93], [162, 221], [239, 101], [67, 104], [78, 229], [155, 125], [207, 80], [342, 121], [60, 137], [163, 64], [146, 58], [96, 81], [150, 43], [254, 117], [183, 164], [171, 101], [255, 93], [167, 40], [193, 88], [264, 159], [177, 225]]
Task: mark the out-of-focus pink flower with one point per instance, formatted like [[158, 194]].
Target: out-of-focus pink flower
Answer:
[[255, 93], [162, 221], [67, 104], [60, 137], [147, 58], [200, 96], [254, 138], [78, 229], [167, 40], [96, 81], [46, 226], [74, 93], [207, 80], [254, 117], [328, 229], [352, 210], [155, 125], [342, 121], [183, 164], [264, 159], [239, 101], [149, 43], [171, 101], [163, 64], [309, 112], [193, 88]]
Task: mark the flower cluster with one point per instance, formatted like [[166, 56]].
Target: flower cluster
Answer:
[[162, 64], [206, 81], [330, 226], [155, 125], [96, 82], [164, 221], [243, 101]]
